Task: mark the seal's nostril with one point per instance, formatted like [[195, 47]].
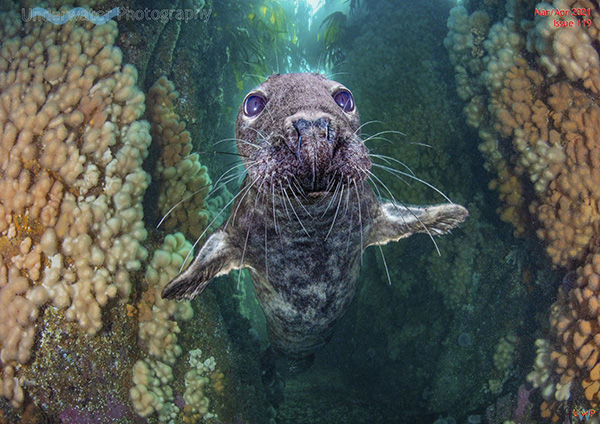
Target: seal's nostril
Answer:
[[318, 128], [322, 123], [301, 125]]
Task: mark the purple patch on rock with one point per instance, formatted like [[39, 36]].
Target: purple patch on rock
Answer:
[[73, 416], [179, 402], [112, 412]]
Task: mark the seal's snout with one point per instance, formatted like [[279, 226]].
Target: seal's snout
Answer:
[[313, 143], [319, 128], [307, 137], [310, 134]]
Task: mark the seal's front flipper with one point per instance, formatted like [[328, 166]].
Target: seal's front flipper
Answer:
[[395, 221], [216, 257]]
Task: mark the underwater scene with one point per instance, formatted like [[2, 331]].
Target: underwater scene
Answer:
[[197, 226]]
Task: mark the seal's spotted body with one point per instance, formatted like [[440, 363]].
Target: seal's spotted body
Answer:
[[303, 279], [304, 213]]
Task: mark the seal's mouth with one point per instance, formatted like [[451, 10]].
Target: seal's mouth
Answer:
[[312, 159]]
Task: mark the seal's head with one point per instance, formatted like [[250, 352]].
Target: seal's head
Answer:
[[301, 131]]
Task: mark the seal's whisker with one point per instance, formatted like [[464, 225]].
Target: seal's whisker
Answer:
[[330, 76], [249, 143], [268, 110], [220, 152], [337, 187], [244, 192], [376, 165], [395, 171], [222, 181], [378, 135], [189, 196], [247, 167], [224, 140], [212, 152], [331, 182], [215, 189], [279, 228], [413, 143], [259, 77], [373, 176], [347, 199], [242, 258], [298, 200], [351, 226], [266, 249], [362, 247], [365, 124], [262, 194], [389, 159], [362, 182], [273, 202], [298, 187], [301, 203], [314, 169], [250, 226], [285, 199], [264, 198], [241, 140], [262, 136], [283, 202], [295, 213], [369, 138], [234, 176], [237, 165], [387, 271], [396, 203], [337, 209], [380, 197], [209, 225], [234, 215]]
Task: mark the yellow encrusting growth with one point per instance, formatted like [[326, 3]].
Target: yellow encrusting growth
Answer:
[[153, 377], [71, 180], [534, 96], [178, 172]]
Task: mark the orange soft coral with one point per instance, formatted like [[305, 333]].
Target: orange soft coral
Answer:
[[180, 175], [574, 324], [535, 100], [568, 211]]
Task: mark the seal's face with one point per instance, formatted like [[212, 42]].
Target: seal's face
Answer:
[[301, 131]]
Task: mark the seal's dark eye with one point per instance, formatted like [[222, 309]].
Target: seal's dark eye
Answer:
[[254, 104], [344, 100]]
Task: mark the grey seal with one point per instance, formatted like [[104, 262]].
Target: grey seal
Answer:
[[305, 212]]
